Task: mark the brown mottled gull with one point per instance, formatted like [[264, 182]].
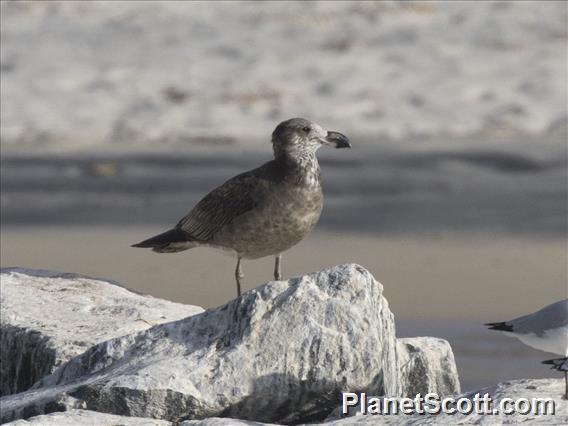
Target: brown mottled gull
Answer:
[[262, 212]]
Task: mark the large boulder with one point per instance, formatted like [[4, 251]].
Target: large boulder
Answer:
[[282, 353], [47, 318], [426, 365]]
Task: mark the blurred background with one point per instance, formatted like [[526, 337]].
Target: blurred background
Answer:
[[117, 117]]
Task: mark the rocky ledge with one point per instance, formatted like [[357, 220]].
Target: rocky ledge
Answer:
[[47, 318], [543, 388], [280, 353]]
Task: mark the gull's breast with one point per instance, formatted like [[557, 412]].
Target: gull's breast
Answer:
[[554, 340], [279, 223]]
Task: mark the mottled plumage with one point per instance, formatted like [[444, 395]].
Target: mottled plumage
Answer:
[[264, 211]]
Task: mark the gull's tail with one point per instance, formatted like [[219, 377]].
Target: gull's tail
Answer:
[[501, 326], [560, 364], [170, 241]]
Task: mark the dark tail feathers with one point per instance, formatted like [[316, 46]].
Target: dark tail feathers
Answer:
[[164, 239], [560, 364], [501, 326]]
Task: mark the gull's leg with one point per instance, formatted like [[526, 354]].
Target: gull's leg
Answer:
[[566, 382], [278, 267], [239, 276]]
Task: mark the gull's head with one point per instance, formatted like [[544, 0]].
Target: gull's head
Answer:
[[298, 136]]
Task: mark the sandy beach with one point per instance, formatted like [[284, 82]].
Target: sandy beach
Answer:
[[84, 75]]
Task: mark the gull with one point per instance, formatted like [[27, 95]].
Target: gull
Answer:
[[262, 212], [560, 364], [546, 330]]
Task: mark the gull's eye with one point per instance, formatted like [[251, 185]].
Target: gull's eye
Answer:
[[306, 129]]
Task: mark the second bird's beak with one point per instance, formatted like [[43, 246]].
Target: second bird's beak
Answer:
[[336, 139]]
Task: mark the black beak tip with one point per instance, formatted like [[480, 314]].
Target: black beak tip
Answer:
[[338, 139]]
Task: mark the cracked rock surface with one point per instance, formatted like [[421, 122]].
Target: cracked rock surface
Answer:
[[427, 364], [282, 353], [49, 317]]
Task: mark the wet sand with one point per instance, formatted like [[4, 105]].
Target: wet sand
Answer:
[[446, 277]]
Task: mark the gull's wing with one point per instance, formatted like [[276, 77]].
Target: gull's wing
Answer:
[[548, 318], [221, 206]]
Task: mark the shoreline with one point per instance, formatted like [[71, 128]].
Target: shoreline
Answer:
[[487, 269], [446, 287]]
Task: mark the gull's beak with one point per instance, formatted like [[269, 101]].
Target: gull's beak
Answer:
[[337, 140]]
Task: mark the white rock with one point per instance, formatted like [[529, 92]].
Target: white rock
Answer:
[[543, 388], [547, 388], [222, 421], [280, 353], [50, 317], [426, 365], [87, 418]]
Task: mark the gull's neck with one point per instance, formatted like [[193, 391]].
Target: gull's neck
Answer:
[[301, 168]]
